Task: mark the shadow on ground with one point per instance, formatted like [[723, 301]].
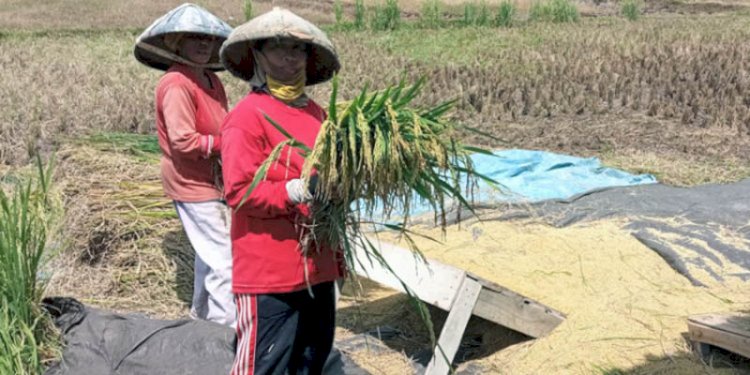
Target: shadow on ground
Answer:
[[396, 322], [718, 362], [177, 248]]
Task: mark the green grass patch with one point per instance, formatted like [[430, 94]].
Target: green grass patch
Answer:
[[445, 46], [477, 14], [386, 17], [557, 11], [27, 216], [247, 9], [338, 11], [505, 14], [631, 9], [359, 14], [431, 17]]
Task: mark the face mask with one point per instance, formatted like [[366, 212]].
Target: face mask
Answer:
[[287, 92]]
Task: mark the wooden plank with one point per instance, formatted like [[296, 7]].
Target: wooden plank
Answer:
[[432, 281], [725, 332], [437, 284], [454, 327], [737, 324], [509, 309]]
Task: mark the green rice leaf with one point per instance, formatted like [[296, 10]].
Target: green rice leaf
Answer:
[[292, 141], [262, 171]]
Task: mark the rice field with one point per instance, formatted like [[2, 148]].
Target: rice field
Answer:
[[667, 94], [532, 86]]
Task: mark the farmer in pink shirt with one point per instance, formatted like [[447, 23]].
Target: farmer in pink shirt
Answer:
[[190, 107]]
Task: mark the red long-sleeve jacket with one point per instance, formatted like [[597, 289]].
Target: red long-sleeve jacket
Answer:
[[267, 257]]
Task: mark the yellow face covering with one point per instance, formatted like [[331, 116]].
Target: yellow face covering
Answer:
[[287, 92]]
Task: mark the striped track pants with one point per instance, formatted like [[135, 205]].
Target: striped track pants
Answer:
[[285, 333]]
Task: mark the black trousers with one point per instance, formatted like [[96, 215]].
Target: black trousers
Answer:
[[290, 333]]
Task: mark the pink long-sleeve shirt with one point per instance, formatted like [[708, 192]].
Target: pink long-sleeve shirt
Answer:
[[188, 121]]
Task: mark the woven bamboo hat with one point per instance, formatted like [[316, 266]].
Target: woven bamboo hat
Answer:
[[153, 46], [236, 52]]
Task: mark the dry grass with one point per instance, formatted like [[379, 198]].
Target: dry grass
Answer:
[[135, 14], [675, 154], [69, 85], [96, 14], [686, 76], [669, 87], [683, 69], [127, 250]]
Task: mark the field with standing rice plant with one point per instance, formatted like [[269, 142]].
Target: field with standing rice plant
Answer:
[[29, 215]]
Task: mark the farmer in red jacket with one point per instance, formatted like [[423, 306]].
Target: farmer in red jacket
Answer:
[[285, 296], [190, 107]]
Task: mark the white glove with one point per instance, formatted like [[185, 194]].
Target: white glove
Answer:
[[298, 192]]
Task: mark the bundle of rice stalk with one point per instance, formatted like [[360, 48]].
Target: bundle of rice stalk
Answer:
[[374, 157]]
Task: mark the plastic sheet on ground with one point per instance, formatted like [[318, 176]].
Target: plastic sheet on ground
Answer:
[[533, 176], [101, 342], [703, 232]]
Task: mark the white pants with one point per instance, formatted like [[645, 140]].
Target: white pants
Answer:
[[207, 227]]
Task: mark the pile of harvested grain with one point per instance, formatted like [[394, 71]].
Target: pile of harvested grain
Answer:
[[626, 308]]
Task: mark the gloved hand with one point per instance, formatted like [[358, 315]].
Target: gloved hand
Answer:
[[298, 192]]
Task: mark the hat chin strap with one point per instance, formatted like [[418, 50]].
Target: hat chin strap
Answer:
[[175, 57]]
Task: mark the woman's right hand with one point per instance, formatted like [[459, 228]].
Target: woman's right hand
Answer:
[[299, 192]]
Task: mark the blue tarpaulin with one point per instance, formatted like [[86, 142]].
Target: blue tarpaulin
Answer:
[[534, 176]]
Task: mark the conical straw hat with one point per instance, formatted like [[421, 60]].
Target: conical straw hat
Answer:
[[236, 52], [151, 49]]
